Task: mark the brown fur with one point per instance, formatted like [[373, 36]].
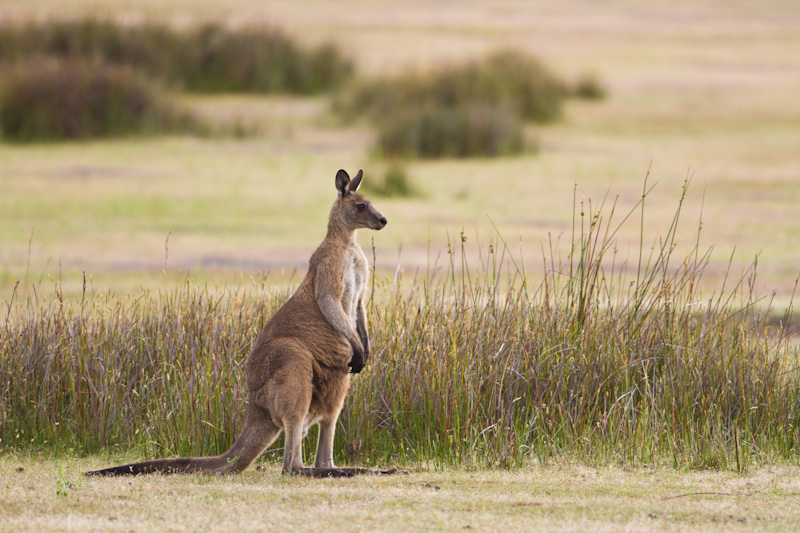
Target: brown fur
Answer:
[[298, 372]]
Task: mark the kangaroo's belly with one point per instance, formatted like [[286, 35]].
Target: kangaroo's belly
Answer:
[[354, 281]]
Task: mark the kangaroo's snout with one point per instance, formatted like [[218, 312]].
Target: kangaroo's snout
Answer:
[[378, 222]]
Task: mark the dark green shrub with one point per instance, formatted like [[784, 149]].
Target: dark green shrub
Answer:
[[588, 87], [210, 58], [52, 100], [395, 184], [148, 47], [511, 80], [468, 130], [215, 59], [475, 109]]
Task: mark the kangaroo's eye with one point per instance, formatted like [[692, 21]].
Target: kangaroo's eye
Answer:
[[361, 207]]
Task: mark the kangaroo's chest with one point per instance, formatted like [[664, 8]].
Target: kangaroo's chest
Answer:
[[354, 280]]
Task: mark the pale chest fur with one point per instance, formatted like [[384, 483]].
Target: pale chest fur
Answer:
[[354, 280]]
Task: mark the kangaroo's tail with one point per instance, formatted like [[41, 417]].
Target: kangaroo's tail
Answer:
[[259, 432], [179, 465]]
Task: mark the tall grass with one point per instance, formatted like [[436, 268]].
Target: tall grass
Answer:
[[208, 58], [474, 365]]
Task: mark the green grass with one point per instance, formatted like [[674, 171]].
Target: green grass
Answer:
[[605, 360]]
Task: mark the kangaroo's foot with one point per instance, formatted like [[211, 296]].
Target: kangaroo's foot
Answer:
[[345, 472]]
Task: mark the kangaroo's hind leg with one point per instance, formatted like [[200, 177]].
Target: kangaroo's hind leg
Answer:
[[324, 457], [259, 431], [285, 394]]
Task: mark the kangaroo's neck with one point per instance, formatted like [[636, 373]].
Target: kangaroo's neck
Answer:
[[339, 233]]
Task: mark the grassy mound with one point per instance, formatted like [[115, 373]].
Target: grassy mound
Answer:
[[46, 100]]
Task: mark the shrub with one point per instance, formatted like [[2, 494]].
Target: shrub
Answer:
[[214, 59], [431, 131], [511, 80], [475, 109], [395, 184], [210, 58], [588, 87], [52, 100], [147, 47]]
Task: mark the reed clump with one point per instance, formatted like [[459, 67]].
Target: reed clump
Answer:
[[473, 364], [206, 58], [506, 78], [475, 109], [47, 100], [395, 183], [431, 131]]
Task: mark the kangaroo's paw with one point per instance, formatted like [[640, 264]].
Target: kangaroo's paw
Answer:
[[347, 472], [326, 472], [391, 472]]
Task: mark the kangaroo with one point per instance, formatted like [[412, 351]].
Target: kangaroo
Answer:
[[298, 372]]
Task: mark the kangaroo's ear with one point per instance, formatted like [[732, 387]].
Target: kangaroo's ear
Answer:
[[342, 180], [356, 183]]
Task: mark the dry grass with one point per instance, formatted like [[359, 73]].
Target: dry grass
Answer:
[[51, 495], [606, 360]]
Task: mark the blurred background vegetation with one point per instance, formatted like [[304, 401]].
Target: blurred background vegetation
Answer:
[[207, 135]]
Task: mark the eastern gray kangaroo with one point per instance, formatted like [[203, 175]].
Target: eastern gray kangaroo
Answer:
[[297, 373]]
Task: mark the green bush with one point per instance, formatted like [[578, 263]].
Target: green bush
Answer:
[[214, 59], [474, 109], [209, 58], [588, 87], [52, 100], [395, 184], [507, 79], [465, 130]]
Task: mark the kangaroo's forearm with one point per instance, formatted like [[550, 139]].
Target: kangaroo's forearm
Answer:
[[334, 314], [361, 326]]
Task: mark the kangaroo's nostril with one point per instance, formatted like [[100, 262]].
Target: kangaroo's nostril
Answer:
[[384, 221]]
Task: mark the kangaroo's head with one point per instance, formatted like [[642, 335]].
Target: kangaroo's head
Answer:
[[352, 209]]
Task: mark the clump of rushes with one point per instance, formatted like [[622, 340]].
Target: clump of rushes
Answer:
[[475, 109], [395, 183], [588, 87], [215, 59], [209, 58], [474, 365], [45, 100], [512, 80], [466, 130]]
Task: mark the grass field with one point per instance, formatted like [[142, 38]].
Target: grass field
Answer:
[[51, 495], [704, 89]]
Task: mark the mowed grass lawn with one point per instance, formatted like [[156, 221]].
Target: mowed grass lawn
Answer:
[[51, 495]]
